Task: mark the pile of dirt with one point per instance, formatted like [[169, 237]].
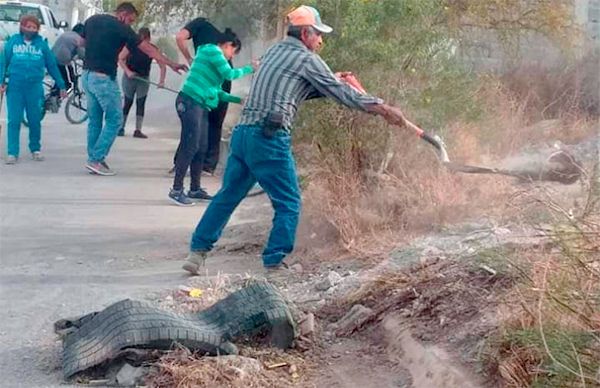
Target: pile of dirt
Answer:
[[450, 304], [438, 297]]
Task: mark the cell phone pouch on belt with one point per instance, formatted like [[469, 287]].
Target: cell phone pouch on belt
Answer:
[[273, 123]]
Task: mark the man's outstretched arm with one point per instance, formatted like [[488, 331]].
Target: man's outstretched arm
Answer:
[[153, 52]]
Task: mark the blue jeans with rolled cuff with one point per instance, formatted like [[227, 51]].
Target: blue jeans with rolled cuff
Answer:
[[254, 157]]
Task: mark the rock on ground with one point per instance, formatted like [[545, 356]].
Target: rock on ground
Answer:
[[130, 376], [358, 315]]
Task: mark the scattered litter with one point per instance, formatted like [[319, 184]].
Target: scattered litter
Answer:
[[275, 366], [488, 269], [293, 371], [195, 293], [98, 383]]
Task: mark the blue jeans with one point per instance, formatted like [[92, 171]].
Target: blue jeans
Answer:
[[254, 157], [104, 102], [28, 97]]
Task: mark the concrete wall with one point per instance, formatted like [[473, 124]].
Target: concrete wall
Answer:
[[483, 49]]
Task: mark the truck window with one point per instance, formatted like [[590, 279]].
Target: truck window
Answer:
[[53, 19], [14, 12]]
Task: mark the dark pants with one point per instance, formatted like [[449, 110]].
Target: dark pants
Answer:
[[216, 117], [134, 89], [193, 143], [68, 75], [140, 106]]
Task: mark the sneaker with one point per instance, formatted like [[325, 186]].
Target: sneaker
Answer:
[[37, 156], [11, 159], [103, 163], [195, 260], [121, 132], [179, 198], [140, 135], [99, 168], [199, 195]]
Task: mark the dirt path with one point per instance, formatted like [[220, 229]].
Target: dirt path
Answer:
[[72, 243]]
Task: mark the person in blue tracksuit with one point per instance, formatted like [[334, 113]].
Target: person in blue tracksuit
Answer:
[[24, 61]]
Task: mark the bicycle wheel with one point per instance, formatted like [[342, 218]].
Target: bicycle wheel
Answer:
[[76, 108], [24, 120]]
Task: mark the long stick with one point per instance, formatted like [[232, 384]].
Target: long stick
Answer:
[[156, 84]]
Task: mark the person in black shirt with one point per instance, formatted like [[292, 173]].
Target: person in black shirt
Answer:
[[105, 35], [201, 31], [136, 67]]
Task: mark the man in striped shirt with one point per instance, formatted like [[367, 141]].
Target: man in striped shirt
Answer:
[[290, 72]]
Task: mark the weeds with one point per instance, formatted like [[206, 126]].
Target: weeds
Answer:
[[184, 369], [553, 338]]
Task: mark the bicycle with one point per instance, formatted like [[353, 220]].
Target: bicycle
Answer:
[[76, 105]]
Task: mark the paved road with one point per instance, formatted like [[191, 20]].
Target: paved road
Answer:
[[71, 242]]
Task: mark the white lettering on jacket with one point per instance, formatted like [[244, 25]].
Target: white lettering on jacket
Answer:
[[27, 49]]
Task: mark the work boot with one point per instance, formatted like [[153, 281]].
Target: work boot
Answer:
[[139, 134], [37, 156], [278, 273], [195, 260]]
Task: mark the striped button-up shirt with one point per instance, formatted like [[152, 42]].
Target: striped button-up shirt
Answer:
[[290, 73]]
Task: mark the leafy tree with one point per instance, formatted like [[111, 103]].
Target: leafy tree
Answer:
[[111, 5]]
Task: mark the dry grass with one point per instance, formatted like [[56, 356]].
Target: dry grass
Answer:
[[408, 194], [183, 369], [510, 123], [377, 195], [567, 90], [551, 330]]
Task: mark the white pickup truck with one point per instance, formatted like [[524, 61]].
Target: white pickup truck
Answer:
[[11, 12]]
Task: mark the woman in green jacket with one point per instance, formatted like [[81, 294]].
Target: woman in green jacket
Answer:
[[201, 93]]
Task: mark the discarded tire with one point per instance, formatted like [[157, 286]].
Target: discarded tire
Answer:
[[101, 337]]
